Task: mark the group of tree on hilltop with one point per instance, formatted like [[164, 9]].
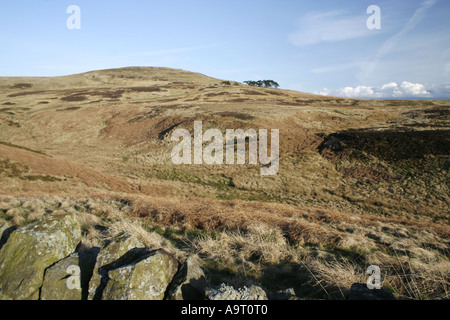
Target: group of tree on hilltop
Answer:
[[262, 83]]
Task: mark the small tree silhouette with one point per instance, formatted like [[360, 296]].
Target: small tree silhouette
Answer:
[[262, 83]]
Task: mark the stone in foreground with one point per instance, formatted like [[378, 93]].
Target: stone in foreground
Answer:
[[145, 279], [30, 250]]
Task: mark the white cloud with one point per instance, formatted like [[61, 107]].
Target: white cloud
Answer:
[[360, 91], [406, 90], [329, 26], [414, 89], [389, 85], [391, 88]]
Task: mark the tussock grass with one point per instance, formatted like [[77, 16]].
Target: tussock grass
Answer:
[[256, 250], [359, 183], [417, 280], [260, 243]]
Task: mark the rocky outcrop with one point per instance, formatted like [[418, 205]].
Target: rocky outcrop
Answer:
[[225, 292], [56, 287], [41, 261], [126, 270], [46, 260], [147, 277], [116, 252], [30, 250]]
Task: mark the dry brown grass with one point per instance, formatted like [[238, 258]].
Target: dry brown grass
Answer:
[[255, 252], [334, 276], [417, 279], [100, 147], [149, 239], [260, 243], [299, 225]]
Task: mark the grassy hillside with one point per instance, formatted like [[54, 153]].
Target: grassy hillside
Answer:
[[360, 181]]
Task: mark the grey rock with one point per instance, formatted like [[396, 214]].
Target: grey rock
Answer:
[[59, 281], [31, 249], [190, 282], [122, 249], [225, 292], [146, 278], [4, 297], [286, 294], [360, 291]]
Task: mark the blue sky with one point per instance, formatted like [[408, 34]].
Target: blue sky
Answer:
[[319, 46]]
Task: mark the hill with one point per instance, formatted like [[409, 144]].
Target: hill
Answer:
[[359, 181]]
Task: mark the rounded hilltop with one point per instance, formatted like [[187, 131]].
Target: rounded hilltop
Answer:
[[151, 74], [127, 76]]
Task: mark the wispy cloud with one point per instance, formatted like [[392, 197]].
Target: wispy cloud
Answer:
[[389, 44], [328, 26], [337, 67]]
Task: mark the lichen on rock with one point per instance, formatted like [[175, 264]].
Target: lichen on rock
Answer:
[[107, 258], [31, 249], [55, 285], [146, 278]]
